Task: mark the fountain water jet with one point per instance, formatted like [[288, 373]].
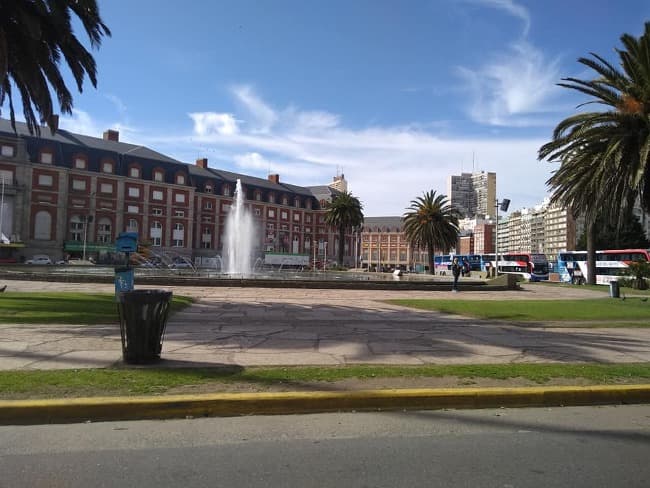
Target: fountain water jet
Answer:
[[239, 236]]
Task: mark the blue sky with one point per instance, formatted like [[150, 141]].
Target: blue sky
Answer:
[[397, 95]]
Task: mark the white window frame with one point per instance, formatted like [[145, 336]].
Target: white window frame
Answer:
[[107, 167], [179, 197], [46, 157], [132, 209], [79, 185], [106, 188], [134, 191], [79, 163], [134, 172], [7, 151], [157, 195]]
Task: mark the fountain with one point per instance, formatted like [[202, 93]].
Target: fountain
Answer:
[[239, 237]]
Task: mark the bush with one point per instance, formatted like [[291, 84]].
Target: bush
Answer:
[[638, 272]]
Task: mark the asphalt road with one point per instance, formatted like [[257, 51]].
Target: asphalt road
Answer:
[[577, 447]]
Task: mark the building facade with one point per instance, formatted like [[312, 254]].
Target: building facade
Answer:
[[67, 194], [473, 194]]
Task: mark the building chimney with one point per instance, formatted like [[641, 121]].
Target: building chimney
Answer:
[[202, 163], [275, 178], [111, 135]]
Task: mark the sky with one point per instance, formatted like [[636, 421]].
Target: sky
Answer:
[[395, 95]]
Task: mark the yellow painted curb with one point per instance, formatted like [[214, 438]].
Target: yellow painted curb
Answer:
[[13, 412]]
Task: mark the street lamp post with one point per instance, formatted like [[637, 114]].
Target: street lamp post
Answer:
[[87, 219], [505, 203], [2, 207]]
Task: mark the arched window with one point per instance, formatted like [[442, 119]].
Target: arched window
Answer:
[[104, 230], [76, 228], [155, 232], [43, 225], [178, 237], [132, 225]]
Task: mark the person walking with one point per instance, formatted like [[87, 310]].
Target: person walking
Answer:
[[455, 270]]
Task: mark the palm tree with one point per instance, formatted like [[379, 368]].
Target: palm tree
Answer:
[[432, 223], [605, 155], [344, 212], [34, 37]]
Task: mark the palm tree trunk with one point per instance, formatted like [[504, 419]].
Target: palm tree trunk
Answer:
[[341, 244], [432, 267], [591, 251]]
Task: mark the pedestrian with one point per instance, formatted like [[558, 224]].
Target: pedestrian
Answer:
[[455, 270]]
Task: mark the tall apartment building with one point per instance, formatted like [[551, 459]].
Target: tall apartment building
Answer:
[[559, 231], [485, 188], [339, 183], [473, 193], [66, 193]]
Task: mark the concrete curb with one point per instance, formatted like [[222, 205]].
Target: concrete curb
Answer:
[[22, 412]]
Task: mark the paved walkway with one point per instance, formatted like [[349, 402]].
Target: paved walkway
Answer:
[[252, 326]]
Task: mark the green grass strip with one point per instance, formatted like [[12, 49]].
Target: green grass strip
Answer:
[[65, 307], [598, 309], [156, 381]]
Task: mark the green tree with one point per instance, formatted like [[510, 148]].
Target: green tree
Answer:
[[604, 154], [344, 212], [431, 223], [629, 234], [35, 36]]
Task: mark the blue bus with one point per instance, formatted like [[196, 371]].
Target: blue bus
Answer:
[[610, 264]]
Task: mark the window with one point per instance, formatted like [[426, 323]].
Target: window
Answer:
[[308, 204], [271, 213], [284, 215], [43, 226], [179, 197], [225, 207], [258, 196], [7, 151], [134, 172], [79, 163], [257, 212], [132, 225], [308, 219], [285, 201], [45, 180], [107, 167], [158, 176], [207, 205], [296, 202], [134, 191], [271, 198], [208, 188], [155, 232], [157, 195], [132, 209], [180, 179], [178, 237], [79, 185], [226, 190], [6, 176], [156, 211], [296, 217], [106, 188], [179, 213], [206, 238], [76, 228], [104, 229], [46, 157], [206, 218]]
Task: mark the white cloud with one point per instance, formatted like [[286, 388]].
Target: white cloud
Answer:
[[512, 8], [386, 167], [514, 88], [208, 123], [263, 116]]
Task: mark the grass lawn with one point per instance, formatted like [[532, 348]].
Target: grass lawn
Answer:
[[65, 307], [596, 310], [156, 381], [624, 290]]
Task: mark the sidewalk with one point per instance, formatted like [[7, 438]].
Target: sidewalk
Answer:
[[253, 327], [248, 327]]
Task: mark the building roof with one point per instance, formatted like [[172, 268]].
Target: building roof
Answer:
[[393, 223]]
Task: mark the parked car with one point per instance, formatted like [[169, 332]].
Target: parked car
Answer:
[[39, 259]]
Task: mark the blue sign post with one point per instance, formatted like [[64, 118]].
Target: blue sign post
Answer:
[[127, 242]]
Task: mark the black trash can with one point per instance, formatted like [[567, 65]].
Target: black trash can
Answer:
[[143, 317], [614, 290]]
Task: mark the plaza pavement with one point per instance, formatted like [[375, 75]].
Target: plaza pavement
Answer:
[[254, 326]]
